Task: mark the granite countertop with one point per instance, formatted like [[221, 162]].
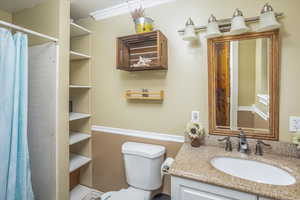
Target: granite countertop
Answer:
[[194, 163]]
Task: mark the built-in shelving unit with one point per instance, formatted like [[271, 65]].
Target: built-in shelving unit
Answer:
[[77, 30], [80, 86], [78, 56], [76, 137], [77, 161], [76, 116], [80, 117]]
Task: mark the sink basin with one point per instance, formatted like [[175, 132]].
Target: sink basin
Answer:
[[253, 171]]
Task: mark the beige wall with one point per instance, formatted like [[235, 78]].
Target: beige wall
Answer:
[[262, 65], [5, 16], [108, 165], [43, 18], [185, 83], [246, 79], [249, 119]]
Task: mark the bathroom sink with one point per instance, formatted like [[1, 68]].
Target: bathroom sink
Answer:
[[253, 170]]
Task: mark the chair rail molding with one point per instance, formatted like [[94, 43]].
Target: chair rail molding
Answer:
[[256, 110], [123, 9], [138, 133], [264, 99]]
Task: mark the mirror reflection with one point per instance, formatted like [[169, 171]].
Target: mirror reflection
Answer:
[[242, 83]]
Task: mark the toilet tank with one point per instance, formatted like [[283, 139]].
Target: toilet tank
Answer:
[[143, 165]]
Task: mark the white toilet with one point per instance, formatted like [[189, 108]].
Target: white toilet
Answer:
[[143, 171]]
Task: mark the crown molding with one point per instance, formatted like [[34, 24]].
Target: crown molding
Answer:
[[123, 9]]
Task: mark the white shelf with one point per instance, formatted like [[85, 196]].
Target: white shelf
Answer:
[[77, 161], [77, 30], [78, 56], [76, 116], [76, 137], [81, 192], [80, 86]]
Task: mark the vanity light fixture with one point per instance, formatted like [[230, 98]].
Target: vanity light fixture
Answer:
[[267, 19], [189, 31], [238, 25], [212, 28]]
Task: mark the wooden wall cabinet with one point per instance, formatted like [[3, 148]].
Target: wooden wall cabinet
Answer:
[[152, 45]]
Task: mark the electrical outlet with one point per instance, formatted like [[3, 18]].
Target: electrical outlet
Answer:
[[294, 125], [195, 116]]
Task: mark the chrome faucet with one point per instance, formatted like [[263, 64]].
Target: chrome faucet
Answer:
[[243, 145]]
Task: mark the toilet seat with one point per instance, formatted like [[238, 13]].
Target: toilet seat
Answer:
[[125, 194]]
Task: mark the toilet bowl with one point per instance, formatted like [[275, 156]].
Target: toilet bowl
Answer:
[[143, 171]]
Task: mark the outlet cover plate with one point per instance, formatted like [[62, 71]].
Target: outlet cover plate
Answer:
[[294, 124], [196, 116]]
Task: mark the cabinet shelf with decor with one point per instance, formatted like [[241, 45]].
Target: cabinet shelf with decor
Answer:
[[138, 95], [144, 51]]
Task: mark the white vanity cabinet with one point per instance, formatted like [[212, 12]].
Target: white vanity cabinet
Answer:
[[186, 189]]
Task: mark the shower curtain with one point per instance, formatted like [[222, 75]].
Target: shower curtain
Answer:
[[15, 175]]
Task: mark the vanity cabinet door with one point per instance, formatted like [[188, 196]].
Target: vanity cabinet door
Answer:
[[185, 189], [192, 194]]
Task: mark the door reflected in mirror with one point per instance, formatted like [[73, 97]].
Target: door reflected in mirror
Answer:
[[243, 84]]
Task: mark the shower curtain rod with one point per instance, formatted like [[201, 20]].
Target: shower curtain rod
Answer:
[[24, 30]]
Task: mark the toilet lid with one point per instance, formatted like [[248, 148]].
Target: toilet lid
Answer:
[[122, 195]]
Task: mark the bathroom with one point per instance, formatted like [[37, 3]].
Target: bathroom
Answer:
[[97, 109]]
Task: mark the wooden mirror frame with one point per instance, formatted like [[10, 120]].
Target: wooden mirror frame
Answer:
[[273, 133]]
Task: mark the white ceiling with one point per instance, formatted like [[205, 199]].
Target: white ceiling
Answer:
[[82, 8], [79, 8], [12, 6]]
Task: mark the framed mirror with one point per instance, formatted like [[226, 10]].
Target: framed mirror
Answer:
[[244, 85]]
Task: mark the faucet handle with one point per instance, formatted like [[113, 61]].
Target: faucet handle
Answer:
[[223, 139], [258, 147], [228, 146], [263, 143]]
